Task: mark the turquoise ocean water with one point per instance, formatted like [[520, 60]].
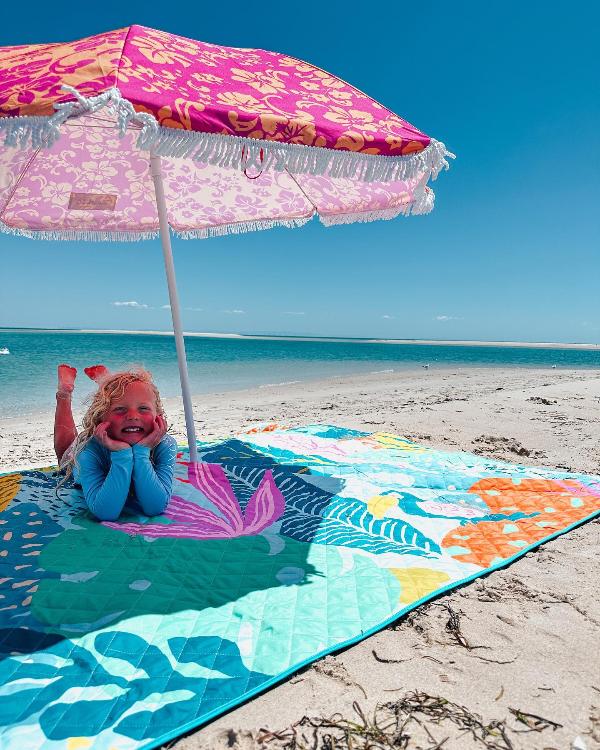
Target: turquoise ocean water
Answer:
[[28, 373]]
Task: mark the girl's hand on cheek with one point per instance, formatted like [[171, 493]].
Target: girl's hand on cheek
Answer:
[[158, 432], [101, 435]]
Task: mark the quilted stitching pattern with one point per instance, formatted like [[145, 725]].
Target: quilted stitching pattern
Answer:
[[117, 636]]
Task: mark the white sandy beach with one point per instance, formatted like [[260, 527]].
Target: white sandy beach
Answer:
[[536, 624]]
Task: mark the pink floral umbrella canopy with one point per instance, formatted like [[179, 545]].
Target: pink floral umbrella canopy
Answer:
[[132, 133], [248, 139]]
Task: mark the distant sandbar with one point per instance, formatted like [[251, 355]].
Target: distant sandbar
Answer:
[[340, 339], [423, 342]]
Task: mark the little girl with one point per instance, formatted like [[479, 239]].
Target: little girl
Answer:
[[123, 454]]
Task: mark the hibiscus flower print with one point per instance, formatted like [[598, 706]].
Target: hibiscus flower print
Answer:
[[326, 79], [248, 204], [291, 203], [267, 81], [220, 184], [310, 86], [245, 102], [341, 96], [56, 192], [206, 78], [351, 118], [300, 132], [166, 49], [99, 171], [290, 62]]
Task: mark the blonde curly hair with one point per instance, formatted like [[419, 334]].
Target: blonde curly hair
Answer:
[[111, 388]]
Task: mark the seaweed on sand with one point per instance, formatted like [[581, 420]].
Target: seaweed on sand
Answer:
[[398, 725]]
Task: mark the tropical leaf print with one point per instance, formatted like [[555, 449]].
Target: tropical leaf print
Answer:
[[320, 517], [112, 639], [316, 515], [123, 696], [346, 522]]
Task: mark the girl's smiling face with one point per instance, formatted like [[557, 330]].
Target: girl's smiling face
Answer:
[[132, 416]]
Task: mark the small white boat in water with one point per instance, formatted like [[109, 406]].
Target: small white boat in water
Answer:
[[4, 350]]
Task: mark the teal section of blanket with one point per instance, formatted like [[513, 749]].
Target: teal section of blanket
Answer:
[[280, 546]]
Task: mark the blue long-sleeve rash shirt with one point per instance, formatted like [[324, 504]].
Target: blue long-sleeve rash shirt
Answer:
[[109, 478]]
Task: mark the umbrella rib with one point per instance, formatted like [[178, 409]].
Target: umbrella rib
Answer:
[[18, 182], [77, 122], [87, 126], [301, 189]]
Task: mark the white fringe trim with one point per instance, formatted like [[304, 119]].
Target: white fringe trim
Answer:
[[87, 235], [43, 132], [135, 236], [239, 228], [422, 205], [226, 150]]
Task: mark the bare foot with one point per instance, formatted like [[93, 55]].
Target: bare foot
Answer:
[[66, 379], [96, 372]]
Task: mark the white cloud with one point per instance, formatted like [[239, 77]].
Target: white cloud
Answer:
[[235, 312], [388, 317], [444, 318], [290, 312], [165, 307], [132, 303]]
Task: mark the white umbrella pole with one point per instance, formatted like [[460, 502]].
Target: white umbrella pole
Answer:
[[174, 300]]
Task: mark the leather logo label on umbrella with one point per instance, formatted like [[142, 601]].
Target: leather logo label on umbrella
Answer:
[[92, 202]]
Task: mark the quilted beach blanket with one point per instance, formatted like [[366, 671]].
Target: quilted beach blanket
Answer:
[[281, 546]]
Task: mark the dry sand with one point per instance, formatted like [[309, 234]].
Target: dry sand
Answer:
[[530, 633]]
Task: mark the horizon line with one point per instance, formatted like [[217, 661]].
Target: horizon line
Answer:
[[309, 337]]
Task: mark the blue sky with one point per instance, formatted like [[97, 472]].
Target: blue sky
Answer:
[[511, 252]]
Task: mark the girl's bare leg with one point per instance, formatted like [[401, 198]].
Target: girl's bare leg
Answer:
[[64, 424], [97, 373]]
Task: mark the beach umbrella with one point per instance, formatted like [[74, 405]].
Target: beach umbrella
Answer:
[[135, 133]]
